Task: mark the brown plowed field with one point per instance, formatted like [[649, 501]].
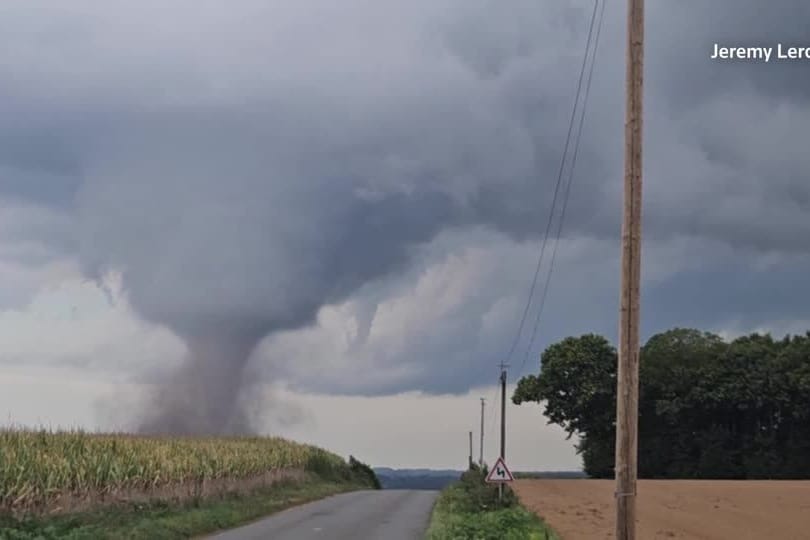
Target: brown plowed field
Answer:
[[705, 510]]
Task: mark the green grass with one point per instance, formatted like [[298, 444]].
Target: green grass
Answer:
[[470, 510], [163, 521]]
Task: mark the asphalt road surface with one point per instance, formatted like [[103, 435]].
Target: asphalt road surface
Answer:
[[360, 515]]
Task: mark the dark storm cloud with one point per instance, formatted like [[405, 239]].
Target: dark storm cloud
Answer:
[[683, 35], [245, 166], [706, 295]]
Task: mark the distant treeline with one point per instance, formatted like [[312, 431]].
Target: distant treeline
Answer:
[[708, 408], [437, 480], [413, 479], [550, 474]]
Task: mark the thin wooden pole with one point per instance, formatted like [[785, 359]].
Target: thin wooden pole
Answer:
[[503, 414], [481, 447], [503, 423], [627, 378], [470, 461]]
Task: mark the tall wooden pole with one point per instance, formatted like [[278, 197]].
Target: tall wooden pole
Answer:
[[470, 461], [481, 447], [503, 423], [627, 379], [503, 414]]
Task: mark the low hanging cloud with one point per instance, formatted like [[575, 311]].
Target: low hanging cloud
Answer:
[[255, 169]]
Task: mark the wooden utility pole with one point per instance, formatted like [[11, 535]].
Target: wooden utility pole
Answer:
[[627, 377], [481, 449], [470, 461], [503, 421], [503, 411]]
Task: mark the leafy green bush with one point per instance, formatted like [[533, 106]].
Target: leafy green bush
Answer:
[[363, 473], [471, 509], [326, 467], [480, 496]]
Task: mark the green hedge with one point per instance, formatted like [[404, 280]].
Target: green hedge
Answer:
[[471, 509]]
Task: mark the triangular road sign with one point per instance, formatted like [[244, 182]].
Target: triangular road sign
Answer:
[[500, 472]]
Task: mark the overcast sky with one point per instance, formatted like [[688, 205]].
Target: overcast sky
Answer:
[[351, 195]]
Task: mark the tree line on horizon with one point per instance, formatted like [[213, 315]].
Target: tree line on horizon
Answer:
[[708, 408]]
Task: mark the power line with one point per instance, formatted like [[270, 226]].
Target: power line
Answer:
[[556, 188], [568, 186], [560, 175]]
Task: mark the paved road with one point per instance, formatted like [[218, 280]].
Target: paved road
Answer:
[[360, 515]]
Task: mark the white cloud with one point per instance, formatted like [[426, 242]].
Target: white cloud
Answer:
[[406, 430], [448, 321], [415, 430], [778, 329], [72, 323], [31, 249]]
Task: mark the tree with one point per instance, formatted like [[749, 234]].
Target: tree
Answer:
[[707, 408], [577, 384], [791, 396], [672, 400]]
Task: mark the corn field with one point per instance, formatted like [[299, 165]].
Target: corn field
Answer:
[[37, 467]]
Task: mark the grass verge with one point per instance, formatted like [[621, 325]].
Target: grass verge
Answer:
[[166, 521], [470, 510]]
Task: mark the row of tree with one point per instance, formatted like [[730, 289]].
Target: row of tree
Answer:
[[708, 408]]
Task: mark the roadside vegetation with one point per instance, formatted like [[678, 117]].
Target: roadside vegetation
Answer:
[[170, 521], [470, 510], [364, 473], [80, 485], [709, 408]]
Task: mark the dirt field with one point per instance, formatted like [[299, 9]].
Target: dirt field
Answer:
[[706, 510]]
